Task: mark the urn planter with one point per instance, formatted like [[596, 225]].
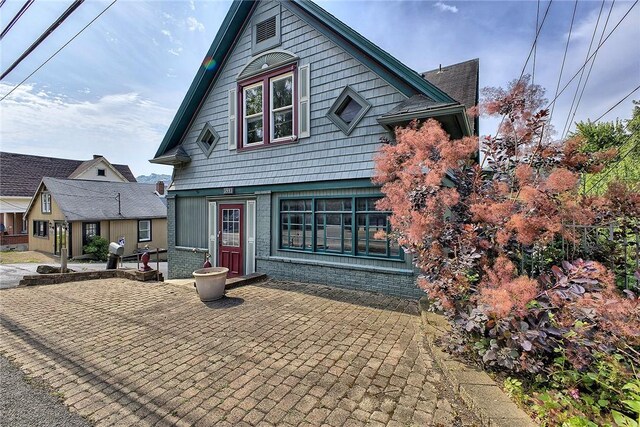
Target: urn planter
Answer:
[[210, 282]]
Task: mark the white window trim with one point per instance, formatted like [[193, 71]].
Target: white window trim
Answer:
[[272, 111], [46, 203], [148, 230], [245, 139]]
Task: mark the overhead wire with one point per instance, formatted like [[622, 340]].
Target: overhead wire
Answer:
[[43, 36], [58, 51], [593, 54], [612, 168], [564, 57], [535, 41], [17, 16], [617, 103], [593, 37], [535, 48]]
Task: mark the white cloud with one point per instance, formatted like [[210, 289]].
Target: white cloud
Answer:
[[168, 34], [443, 7], [125, 127], [192, 4], [176, 51], [193, 24]]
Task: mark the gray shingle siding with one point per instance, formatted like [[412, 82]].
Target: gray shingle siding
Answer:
[[327, 155]]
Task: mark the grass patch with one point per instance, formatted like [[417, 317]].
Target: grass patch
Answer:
[[15, 257]]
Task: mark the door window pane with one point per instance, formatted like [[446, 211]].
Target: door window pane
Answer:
[[231, 227]]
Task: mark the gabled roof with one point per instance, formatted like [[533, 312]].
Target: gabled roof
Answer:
[[84, 166], [393, 71], [20, 174], [460, 81], [84, 200]]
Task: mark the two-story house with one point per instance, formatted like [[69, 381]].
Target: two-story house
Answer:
[[273, 148]]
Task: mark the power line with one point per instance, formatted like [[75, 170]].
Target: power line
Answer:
[[617, 103], [58, 51], [535, 41], [564, 57], [611, 169], [535, 48], [43, 36], [593, 54], [575, 95], [22, 10], [2, 2]]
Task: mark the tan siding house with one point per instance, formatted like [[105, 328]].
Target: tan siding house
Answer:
[[67, 213]]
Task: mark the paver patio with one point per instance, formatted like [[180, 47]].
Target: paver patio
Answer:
[[277, 353]]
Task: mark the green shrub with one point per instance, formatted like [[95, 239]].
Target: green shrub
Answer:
[[98, 247]]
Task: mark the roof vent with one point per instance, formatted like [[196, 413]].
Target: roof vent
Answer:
[[266, 29]]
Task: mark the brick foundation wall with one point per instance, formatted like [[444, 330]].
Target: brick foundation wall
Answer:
[[399, 285], [14, 239]]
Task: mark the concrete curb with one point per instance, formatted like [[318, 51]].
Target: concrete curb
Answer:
[[483, 396]]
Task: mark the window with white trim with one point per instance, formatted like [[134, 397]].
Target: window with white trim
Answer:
[[281, 106], [45, 203], [144, 230], [268, 108], [253, 117]]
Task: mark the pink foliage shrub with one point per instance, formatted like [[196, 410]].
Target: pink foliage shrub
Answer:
[[467, 228]]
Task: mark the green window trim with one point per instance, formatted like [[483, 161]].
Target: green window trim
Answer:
[[303, 224]]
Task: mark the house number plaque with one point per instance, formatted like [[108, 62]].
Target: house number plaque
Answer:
[[228, 190]]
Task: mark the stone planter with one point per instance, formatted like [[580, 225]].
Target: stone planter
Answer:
[[210, 282]]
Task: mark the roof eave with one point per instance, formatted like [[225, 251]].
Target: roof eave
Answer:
[[406, 80], [171, 160], [236, 17], [378, 55], [458, 111]]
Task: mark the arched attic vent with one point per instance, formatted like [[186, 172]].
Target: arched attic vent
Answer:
[[266, 61]]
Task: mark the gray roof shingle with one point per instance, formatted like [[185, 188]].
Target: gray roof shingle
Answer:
[[83, 200], [20, 174], [460, 81], [414, 104]]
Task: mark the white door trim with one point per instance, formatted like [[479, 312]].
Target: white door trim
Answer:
[[212, 233]]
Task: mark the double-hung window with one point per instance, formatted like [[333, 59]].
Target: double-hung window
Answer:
[[144, 230], [340, 225], [267, 108], [46, 202]]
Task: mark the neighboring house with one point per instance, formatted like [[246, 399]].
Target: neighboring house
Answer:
[[273, 148], [67, 212], [20, 175]]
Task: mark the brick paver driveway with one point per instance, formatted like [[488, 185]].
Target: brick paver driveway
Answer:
[[277, 353]]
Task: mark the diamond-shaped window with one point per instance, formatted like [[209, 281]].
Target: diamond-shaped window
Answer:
[[348, 109], [208, 139]]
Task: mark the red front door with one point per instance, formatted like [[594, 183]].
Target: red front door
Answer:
[[230, 238]]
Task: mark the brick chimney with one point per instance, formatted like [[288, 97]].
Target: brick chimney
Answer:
[[160, 187]]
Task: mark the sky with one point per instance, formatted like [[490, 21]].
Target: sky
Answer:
[[116, 87]]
